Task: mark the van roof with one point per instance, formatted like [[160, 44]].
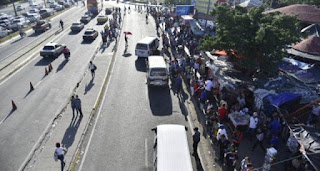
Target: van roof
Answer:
[[173, 149], [147, 40], [156, 62]]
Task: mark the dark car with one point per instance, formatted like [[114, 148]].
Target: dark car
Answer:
[[77, 27], [85, 19], [90, 34], [52, 50], [108, 11], [44, 13], [41, 26]]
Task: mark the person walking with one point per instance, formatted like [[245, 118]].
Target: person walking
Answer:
[[92, 68], [259, 140], [196, 140], [73, 106], [231, 160], [244, 164], [178, 84], [58, 152], [253, 124], [223, 144], [77, 103]]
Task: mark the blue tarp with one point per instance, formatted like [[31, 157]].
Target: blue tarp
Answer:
[[184, 9], [282, 98]]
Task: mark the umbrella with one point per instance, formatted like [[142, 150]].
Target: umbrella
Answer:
[[127, 33]]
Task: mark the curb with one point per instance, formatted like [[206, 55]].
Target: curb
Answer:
[[75, 158]]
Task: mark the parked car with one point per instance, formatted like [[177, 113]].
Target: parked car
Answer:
[[67, 5], [108, 11], [33, 17], [41, 26], [44, 13], [59, 8], [18, 23], [5, 23], [102, 19], [34, 11], [90, 34], [4, 32], [85, 19], [88, 13], [53, 5], [52, 50], [20, 8], [77, 27]]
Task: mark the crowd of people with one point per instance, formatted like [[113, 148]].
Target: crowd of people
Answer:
[[187, 64]]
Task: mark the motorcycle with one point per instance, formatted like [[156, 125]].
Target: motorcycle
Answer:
[[22, 34]]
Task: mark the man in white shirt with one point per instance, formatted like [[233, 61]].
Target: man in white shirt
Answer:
[[209, 84], [221, 131], [253, 124]]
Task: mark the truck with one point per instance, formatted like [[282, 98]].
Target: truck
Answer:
[[41, 26]]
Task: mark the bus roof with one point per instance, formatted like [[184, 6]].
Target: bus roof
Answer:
[[156, 62], [173, 149], [147, 40]]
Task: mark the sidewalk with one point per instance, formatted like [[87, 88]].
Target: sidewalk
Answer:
[[69, 131], [205, 148]]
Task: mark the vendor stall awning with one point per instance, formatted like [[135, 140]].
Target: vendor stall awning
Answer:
[[282, 98]]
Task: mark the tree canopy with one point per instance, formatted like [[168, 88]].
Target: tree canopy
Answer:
[[258, 40]]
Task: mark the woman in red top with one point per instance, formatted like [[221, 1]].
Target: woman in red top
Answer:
[[237, 137], [223, 113]]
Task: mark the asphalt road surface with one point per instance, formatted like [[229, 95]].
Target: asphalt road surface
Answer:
[[123, 139], [21, 130]]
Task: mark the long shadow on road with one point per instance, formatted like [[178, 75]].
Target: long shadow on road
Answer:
[[71, 132], [160, 101], [140, 64]]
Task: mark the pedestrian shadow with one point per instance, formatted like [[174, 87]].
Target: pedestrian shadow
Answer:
[[71, 132], [126, 54], [198, 162], [60, 67], [140, 64], [88, 87], [58, 31], [160, 101], [104, 46]]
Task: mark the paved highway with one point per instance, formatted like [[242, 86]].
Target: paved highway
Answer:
[[21, 130], [122, 139]]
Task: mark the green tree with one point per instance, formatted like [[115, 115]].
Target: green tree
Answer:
[[257, 39], [4, 2]]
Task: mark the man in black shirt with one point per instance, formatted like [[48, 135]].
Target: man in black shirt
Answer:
[[231, 160], [196, 140]]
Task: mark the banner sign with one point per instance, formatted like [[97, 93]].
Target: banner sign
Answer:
[[184, 9]]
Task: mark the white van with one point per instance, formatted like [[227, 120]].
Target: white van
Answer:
[[147, 46], [171, 149], [157, 73]]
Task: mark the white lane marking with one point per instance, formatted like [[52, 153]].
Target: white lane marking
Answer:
[[98, 115], [50, 123], [192, 132], [146, 152]]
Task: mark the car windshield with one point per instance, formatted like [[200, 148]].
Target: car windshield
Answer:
[[88, 32], [158, 72], [75, 24], [142, 46], [48, 48]]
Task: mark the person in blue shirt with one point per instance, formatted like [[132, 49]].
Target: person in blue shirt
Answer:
[[275, 127], [178, 84], [274, 141]]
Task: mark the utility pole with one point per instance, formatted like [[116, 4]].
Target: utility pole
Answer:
[[14, 8], [208, 9]]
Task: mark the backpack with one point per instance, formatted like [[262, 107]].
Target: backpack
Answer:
[[95, 67]]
